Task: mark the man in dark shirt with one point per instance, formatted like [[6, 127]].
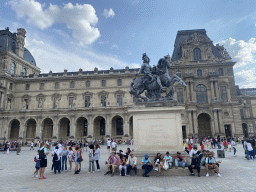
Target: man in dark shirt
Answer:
[[195, 164]]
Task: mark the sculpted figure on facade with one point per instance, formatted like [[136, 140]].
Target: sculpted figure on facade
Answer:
[[8, 104], [154, 81], [40, 103], [24, 104]]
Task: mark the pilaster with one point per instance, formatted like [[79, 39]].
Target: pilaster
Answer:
[[108, 132], [72, 126], [190, 123], [22, 132], [126, 126]]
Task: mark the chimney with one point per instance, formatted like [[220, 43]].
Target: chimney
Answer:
[[20, 42]]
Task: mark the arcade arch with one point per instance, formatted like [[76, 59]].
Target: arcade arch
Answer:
[[14, 129], [31, 129], [204, 125], [47, 129], [82, 127], [64, 128], [117, 126]]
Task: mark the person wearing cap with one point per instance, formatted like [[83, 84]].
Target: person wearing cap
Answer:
[[131, 164], [179, 160], [168, 159], [195, 164], [146, 165]]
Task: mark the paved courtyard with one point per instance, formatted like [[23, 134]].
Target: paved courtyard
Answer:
[[237, 173]]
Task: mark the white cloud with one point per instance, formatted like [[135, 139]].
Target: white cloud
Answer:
[[50, 57], [81, 19], [247, 78], [109, 13], [244, 53]]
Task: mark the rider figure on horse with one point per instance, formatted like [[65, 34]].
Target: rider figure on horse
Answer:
[[146, 69]]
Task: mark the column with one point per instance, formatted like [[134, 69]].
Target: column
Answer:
[[215, 118], [2, 100], [190, 123], [90, 126], [193, 93], [195, 122], [22, 128], [72, 126], [217, 90], [126, 126], [108, 126], [187, 90], [7, 129], [222, 129], [55, 128], [228, 94], [212, 91], [39, 127]]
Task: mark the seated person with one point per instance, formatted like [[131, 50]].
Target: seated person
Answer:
[[146, 165], [168, 159], [112, 163], [127, 152], [131, 164], [123, 163], [193, 151], [210, 163], [189, 146], [161, 163], [179, 160], [156, 160], [186, 150], [195, 164]]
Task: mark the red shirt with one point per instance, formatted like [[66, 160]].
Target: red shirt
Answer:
[[224, 142], [180, 157], [189, 147]]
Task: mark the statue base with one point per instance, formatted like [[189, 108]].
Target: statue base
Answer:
[[157, 130]]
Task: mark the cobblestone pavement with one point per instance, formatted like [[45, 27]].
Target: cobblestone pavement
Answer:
[[238, 174]]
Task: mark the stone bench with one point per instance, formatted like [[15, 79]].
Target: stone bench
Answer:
[[174, 171]]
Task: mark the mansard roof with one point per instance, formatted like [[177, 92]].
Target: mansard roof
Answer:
[[8, 43], [184, 35]]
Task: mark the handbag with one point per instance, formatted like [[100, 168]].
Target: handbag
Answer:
[[166, 166], [79, 159]]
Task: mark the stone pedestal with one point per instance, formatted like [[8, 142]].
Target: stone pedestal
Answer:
[[157, 130]]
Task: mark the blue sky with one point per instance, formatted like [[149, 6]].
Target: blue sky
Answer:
[[73, 34]]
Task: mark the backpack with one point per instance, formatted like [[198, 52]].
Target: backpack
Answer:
[[123, 172], [35, 160], [55, 157], [41, 154]]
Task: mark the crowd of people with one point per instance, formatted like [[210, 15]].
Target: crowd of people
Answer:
[[65, 153]]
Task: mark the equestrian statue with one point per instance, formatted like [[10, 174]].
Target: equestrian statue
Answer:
[[155, 81]]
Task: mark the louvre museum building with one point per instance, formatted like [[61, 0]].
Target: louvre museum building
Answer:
[[95, 104]]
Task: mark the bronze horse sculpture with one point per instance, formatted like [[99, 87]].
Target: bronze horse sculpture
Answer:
[[152, 86]]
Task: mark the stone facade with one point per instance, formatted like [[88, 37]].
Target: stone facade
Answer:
[[94, 104]]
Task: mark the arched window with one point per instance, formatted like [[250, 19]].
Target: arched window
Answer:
[[13, 67], [199, 73], [201, 94], [221, 73], [178, 73], [197, 54]]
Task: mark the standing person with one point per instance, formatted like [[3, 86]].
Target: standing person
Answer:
[[43, 160], [70, 158], [97, 156], [18, 148], [86, 145], [114, 146], [229, 146], [202, 145], [108, 145], [80, 155], [225, 144], [64, 158], [233, 143], [250, 149], [56, 159], [32, 145], [37, 166], [76, 155], [91, 159]]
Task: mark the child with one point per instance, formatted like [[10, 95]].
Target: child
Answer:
[[91, 159], [168, 159], [37, 166], [184, 145]]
